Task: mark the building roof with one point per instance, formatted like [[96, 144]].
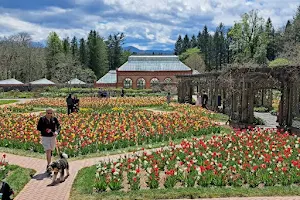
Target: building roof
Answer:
[[43, 81], [75, 81], [11, 81], [110, 77], [154, 63]]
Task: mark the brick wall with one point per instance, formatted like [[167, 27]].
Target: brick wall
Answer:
[[148, 76]]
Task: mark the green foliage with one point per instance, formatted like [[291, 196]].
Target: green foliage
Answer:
[[2, 102], [249, 41], [115, 50], [279, 62], [261, 109], [83, 53], [97, 54], [18, 177], [258, 121], [192, 58], [74, 48], [188, 53]]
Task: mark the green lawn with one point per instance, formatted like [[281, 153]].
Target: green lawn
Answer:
[[18, 177], [82, 189], [2, 102]]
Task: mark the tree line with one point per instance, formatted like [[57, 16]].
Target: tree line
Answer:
[[62, 59], [250, 40]]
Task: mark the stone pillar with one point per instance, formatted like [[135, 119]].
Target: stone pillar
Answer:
[[180, 91], [185, 91], [283, 107], [244, 102], [297, 106], [250, 104]]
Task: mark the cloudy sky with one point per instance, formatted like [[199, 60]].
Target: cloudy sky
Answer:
[[147, 24]]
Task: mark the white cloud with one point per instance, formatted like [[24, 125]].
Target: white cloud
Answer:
[[38, 32], [156, 22]]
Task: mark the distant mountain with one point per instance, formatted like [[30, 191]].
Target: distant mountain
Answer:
[[135, 50]]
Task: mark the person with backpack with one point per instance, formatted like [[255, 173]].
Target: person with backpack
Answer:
[[76, 104], [70, 104], [49, 127], [5, 191]]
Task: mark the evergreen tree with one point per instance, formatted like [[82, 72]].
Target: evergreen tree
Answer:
[[74, 47], [97, 54], [270, 33], [83, 52], [204, 45], [115, 50], [178, 46], [66, 46], [193, 42], [199, 39], [186, 43], [54, 53], [296, 25]]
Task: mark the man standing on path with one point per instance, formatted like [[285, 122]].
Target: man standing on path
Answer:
[[70, 104], [49, 128]]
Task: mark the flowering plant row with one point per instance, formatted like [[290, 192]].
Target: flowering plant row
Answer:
[[249, 158], [93, 102], [85, 133]]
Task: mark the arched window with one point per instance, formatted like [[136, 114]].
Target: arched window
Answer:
[[127, 83], [168, 80], [154, 82], [141, 83]]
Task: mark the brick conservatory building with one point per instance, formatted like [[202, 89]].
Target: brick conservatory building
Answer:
[[141, 72]]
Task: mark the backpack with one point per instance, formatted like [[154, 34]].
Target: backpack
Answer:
[[6, 190]]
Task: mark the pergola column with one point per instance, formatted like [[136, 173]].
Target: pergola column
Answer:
[[250, 103], [283, 107], [244, 102]]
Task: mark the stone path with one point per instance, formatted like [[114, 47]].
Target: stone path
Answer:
[[37, 188], [270, 120]]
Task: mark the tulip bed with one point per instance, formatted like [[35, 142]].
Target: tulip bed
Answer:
[[94, 102], [245, 158], [119, 127]]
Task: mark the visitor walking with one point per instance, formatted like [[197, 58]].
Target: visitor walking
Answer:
[[204, 99], [70, 104], [5, 191], [49, 127], [76, 104], [168, 98], [199, 100], [122, 92]]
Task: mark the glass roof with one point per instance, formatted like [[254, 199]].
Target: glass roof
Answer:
[[110, 77], [154, 63]]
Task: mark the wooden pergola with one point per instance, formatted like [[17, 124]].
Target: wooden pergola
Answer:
[[238, 86]]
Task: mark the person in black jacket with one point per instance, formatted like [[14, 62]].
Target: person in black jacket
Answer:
[[204, 99], [5, 190], [70, 104], [76, 104], [49, 128]]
